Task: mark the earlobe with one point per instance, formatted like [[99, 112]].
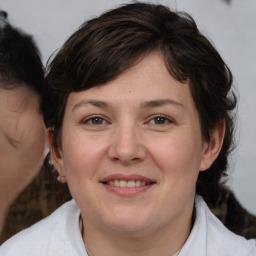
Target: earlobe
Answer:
[[212, 148], [55, 153]]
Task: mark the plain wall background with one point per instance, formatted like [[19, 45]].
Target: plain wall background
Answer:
[[231, 27]]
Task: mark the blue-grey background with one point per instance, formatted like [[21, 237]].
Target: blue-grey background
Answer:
[[232, 28]]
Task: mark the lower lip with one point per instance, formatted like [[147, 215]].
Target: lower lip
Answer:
[[127, 191]]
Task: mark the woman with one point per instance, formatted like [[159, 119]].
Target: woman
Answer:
[[29, 190], [138, 110], [22, 131]]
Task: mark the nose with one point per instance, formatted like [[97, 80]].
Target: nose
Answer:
[[127, 146]]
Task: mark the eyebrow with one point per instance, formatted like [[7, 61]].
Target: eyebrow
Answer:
[[14, 143], [96, 103], [143, 105], [159, 103]]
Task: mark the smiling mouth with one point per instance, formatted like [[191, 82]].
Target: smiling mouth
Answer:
[[127, 184]]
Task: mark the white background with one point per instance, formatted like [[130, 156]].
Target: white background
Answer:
[[232, 28]]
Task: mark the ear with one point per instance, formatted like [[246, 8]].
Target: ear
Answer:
[[212, 148], [55, 153]]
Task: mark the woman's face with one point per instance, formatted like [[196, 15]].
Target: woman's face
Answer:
[[132, 150], [22, 139]]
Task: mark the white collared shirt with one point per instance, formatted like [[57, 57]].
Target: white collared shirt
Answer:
[[59, 235]]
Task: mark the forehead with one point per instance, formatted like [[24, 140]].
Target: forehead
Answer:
[[146, 80], [18, 99]]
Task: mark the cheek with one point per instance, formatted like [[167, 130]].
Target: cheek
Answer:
[[37, 136], [82, 156], [177, 156], [178, 160], [31, 135]]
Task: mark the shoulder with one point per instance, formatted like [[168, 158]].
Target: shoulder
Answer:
[[37, 239], [220, 240]]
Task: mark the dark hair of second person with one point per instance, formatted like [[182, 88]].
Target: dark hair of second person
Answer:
[[20, 61]]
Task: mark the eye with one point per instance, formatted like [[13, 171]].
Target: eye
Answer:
[[160, 120], [96, 120]]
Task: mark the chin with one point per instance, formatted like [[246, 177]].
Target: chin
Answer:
[[130, 224]]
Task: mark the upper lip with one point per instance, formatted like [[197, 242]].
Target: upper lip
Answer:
[[126, 177]]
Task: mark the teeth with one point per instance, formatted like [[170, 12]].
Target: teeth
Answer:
[[131, 184], [123, 183], [126, 184], [138, 183]]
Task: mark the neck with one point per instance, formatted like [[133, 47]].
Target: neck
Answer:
[[138, 247], [5, 203], [162, 242], [10, 188]]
